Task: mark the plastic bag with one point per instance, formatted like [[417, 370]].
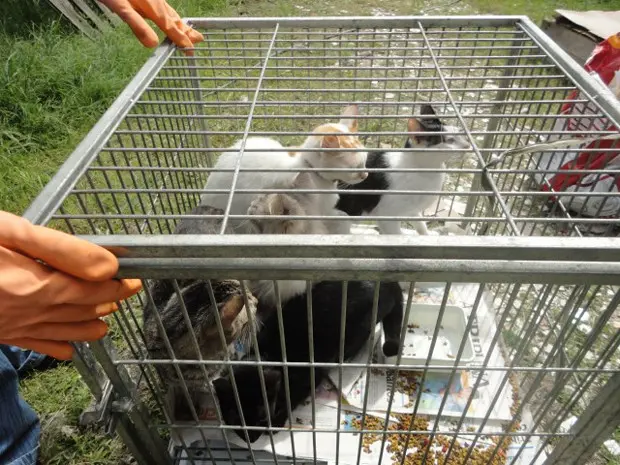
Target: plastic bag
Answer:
[[603, 64]]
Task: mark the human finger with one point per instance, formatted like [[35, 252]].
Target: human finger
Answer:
[[169, 21], [59, 250], [64, 290], [143, 32], [74, 313], [188, 30], [83, 331], [194, 35], [174, 32]]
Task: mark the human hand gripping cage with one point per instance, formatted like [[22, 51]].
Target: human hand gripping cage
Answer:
[[297, 181]]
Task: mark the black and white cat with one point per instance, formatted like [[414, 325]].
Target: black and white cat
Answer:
[[263, 153], [326, 323], [405, 204], [229, 293]]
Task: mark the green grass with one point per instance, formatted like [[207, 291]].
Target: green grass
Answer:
[[55, 87], [537, 11], [55, 84], [59, 396]]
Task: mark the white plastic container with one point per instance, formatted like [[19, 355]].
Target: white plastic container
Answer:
[[420, 327]]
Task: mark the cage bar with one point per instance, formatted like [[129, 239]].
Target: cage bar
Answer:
[[530, 267]]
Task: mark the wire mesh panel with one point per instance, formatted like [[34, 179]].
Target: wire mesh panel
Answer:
[[293, 182]]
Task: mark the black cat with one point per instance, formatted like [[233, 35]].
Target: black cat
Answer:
[[326, 324]]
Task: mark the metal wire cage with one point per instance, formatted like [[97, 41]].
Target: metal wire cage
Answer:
[[533, 374]]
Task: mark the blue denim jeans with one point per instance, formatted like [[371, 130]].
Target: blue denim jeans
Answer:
[[19, 424]]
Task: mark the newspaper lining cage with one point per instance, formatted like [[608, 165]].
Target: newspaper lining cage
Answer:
[[508, 345]]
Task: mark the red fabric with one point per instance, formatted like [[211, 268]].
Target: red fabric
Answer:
[[585, 161], [605, 61]]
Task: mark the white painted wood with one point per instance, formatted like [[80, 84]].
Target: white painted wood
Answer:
[[99, 22], [113, 18], [90, 20]]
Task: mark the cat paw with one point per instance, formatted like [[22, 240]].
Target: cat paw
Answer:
[[451, 229], [253, 208], [409, 232], [253, 301], [390, 348]]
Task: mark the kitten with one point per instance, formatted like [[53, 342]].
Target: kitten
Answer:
[[341, 135], [195, 295], [326, 317], [291, 204], [403, 204]]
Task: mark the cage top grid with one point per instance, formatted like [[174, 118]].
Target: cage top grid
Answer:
[[271, 63]]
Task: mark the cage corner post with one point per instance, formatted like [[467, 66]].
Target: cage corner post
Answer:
[[99, 413], [131, 438], [133, 425], [593, 427], [89, 370]]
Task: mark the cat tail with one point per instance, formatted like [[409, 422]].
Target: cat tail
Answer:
[[392, 324]]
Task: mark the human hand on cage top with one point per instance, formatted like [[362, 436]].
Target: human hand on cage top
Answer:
[[54, 288], [134, 13]]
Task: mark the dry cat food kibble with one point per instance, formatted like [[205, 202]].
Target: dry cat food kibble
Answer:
[[417, 446], [407, 382], [370, 423], [412, 327]]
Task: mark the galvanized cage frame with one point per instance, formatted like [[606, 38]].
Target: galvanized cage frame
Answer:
[[585, 261]]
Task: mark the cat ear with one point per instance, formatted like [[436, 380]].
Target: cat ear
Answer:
[[275, 205], [427, 110], [429, 120], [303, 180], [349, 117], [230, 310], [413, 125], [427, 123], [330, 142]]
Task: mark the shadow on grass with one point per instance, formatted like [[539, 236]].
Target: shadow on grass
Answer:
[[19, 17]]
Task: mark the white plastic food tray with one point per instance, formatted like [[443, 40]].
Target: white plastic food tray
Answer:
[[419, 335]]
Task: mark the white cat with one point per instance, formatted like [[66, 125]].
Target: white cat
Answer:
[[341, 135], [403, 204], [292, 205]]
